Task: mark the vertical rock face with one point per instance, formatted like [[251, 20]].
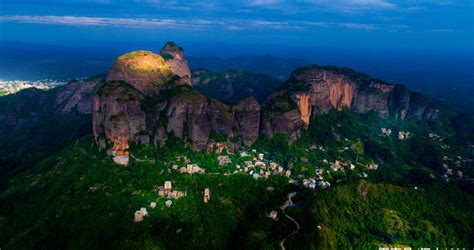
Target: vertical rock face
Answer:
[[305, 108], [118, 114], [328, 89], [247, 113], [175, 60]]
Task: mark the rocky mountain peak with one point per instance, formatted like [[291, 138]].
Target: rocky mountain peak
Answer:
[[175, 60], [173, 50], [144, 70]]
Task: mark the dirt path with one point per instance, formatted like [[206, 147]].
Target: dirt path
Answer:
[[288, 203]]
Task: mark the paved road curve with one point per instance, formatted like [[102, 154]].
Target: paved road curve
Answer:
[[288, 203]]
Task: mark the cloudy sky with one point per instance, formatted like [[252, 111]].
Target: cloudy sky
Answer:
[[386, 24]]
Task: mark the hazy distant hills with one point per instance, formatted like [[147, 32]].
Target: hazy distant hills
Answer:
[[231, 86], [273, 66], [35, 62]]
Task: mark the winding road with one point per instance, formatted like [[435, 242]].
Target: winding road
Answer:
[[288, 203]]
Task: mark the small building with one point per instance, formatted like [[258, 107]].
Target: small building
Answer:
[[168, 185], [273, 165], [152, 204], [143, 211], [402, 135], [260, 156], [372, 166], [168, 203], [121, 159], [223, 159], [207, 195], [386, 131], [259, 163], [243, 154], [273, 215], [138, 216]]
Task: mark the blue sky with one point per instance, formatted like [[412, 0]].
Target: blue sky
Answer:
[[382, 24]]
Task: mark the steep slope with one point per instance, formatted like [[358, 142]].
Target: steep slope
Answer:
[[231, 86], [34, 121]]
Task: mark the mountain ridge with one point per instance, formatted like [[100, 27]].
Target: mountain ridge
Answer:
[[309, 91]]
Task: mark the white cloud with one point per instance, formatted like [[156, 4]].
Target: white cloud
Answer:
[[194, 24]]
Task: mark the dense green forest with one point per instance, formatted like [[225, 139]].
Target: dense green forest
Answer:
[[79, 198]]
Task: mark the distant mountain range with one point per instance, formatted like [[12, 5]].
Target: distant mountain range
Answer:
[[277, 67]]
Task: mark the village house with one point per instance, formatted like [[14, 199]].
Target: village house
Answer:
[[223, 159], [260, 156], [138, 216], [168, 203], [168, 185], [207, 195], [273, 215], [143, 211], [403, 135], [372, 166], [152, 204], [259, 163], [336, 166], [244, 154], [273, 165], [386, 131]]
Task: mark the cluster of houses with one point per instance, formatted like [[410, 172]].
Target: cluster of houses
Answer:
[[167, 191], [449, 171], [402, 135], [320, 179], [163, 191], [260, 167], [190, 169]]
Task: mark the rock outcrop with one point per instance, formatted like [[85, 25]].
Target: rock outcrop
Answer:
[[175, 60], [313, 90], [144, 70]]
